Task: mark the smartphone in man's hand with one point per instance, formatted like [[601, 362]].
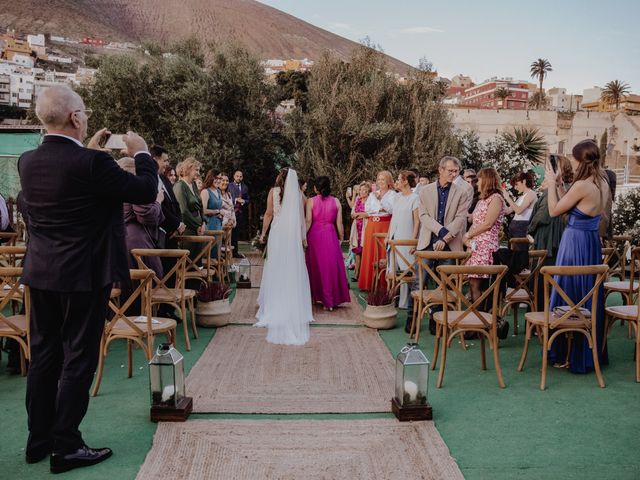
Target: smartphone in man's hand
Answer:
[[115, 142]]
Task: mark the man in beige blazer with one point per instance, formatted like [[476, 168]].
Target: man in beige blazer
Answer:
[[443, 217]]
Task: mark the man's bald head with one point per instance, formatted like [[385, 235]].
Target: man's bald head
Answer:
[[55, 105]]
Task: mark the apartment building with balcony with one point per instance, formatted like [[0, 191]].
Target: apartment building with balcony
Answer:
[[483, 95]]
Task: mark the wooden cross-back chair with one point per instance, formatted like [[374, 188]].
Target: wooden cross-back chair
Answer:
[[424, 298], [219, 263], [618, 259], [9, 239], [607, 252], [626, 287], [403, 270], [379, 259], [522, 242], [467, 315], [15, 326], [199, 267], [177, 295], [11, 255], [139, 329], [523, 293], [628, 313], [572, 319]]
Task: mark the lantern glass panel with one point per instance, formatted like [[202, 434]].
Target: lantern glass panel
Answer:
[[166, 377]]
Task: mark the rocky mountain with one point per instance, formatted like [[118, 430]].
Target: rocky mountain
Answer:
[[264, 30]]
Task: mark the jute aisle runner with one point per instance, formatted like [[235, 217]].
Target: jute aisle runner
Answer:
[[339, 370], [294, 449], [245, 306]]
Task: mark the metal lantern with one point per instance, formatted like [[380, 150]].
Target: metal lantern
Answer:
[[412, 385], [244, 274], [166, 382]]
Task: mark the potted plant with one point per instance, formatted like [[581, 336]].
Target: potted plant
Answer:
[[381, 310], [213, 306]]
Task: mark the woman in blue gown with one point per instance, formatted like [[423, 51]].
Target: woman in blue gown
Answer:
[[212, 203], [580, 245]]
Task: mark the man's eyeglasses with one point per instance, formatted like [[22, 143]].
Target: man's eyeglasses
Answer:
[[87, 112], [452, 170]]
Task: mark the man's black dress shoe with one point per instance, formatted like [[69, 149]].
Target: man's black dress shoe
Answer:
[[37, 456], [83, 457]]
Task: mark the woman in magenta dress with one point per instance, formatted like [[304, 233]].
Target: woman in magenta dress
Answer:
[[327, 273]]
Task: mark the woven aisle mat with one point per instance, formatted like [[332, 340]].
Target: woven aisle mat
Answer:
[[293, 449], [339, 370], [245, 307], [255, 257]]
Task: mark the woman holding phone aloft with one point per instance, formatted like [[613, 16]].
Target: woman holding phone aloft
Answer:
[[580, 245]]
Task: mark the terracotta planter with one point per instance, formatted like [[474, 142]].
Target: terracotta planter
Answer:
[[213, 314], [381, 317]]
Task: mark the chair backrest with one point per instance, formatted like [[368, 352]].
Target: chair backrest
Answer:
[[575, 308], [398, 258], [618, 259], [202, 258], [451, 279], [10, 256], [524, 281], [143, 279], [177, 271], [11, 290], [9, 238], [426, 271], [519, 241], [607, 252]]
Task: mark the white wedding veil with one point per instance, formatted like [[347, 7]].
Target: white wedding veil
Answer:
[[285, 296]]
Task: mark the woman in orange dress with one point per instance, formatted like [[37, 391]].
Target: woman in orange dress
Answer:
[[378, 207]]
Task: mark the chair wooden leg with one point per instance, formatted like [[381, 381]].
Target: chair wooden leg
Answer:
[[637, 354], [192, 314], [129, 359], [101, 359], [436, 346], [496, 360], [527, 336], [596, 361], [443, 360], [23, 365], [545, 358], [185, 329], [192, 317], [483, 354]]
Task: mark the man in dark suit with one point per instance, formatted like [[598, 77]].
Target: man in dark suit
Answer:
[[240, 196], [172, 224], [73, 200]]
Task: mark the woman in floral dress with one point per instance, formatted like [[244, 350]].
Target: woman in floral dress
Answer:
[[483, 238]]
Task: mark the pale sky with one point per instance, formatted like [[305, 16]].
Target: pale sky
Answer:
[[587, 42]]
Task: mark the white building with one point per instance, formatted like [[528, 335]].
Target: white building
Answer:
[[560, 101], [59, 59], [5, 89], [591, 94], [24, 60], [37, 44]]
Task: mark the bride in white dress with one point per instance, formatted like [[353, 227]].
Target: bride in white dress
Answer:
[[285, 296]]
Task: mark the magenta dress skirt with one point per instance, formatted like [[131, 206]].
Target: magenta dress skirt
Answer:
[[325, 263]]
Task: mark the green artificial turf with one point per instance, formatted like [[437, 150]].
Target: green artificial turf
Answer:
[[574, 429]]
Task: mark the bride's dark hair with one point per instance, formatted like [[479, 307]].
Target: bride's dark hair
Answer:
[[281, 179]]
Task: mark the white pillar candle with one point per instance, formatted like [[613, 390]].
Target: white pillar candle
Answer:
[[168, 392], [411, 389]]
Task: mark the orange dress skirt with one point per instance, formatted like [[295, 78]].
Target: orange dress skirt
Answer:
[[375, 224]]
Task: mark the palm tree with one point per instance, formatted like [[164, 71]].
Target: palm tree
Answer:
[[529, 141], [537, 101], [614, 92], [502, 93], [539, 70]]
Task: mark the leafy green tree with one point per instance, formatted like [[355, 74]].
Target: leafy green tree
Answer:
[[361, 120], [540, 69], [219, 111], [615, 91]]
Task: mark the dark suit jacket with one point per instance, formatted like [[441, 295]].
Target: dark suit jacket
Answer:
[[241, 191], [73, 197], [170, 208]]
